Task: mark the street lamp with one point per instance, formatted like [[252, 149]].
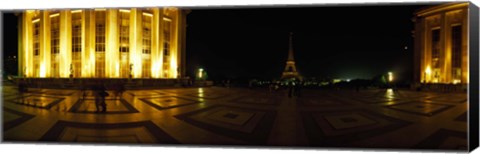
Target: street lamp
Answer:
[[428, 71], [200, 73], [390, 76]]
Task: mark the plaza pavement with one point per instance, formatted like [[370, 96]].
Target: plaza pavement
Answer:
[[375, 118]]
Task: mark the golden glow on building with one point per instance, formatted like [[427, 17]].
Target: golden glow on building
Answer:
[[54, 15], [36, 20], [103, 43], [76, 11], [441, 44]]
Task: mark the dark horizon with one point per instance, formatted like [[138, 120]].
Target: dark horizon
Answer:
[[346, 42]]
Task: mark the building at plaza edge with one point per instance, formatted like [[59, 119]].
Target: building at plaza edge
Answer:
[[102, 43], [441, 44]]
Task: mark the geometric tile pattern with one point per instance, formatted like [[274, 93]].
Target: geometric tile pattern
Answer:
[[44, 102], [450, 98], [206, 95], [52, 93], [462, 117], [413, 95], [114, 106], [425, 109], [370, 97], [145, 93], [4, 95], [445, 139], [250, 125], [167, 102], [260, 100], [91, 95], [312, 101], [346, 121], [377, 100], [338, 128], [239, 116], [12, 118], [132, 132]]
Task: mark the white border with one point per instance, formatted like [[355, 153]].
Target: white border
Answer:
[[127, 149], [48, 4]]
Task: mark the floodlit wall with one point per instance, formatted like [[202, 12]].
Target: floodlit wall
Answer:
[[102, 43]]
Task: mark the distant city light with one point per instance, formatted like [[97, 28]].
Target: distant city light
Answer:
[[200, 73], [390, 76]]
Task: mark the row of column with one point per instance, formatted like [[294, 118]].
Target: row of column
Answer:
[[32, 65], [443, 20]]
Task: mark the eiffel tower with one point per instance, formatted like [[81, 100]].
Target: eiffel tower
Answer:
[[290, 69]]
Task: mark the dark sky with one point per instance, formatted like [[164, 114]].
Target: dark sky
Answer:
[[358, 41], [329, 41], [9, 34]]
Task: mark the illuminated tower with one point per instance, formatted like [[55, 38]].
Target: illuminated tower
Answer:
[[290, 69]]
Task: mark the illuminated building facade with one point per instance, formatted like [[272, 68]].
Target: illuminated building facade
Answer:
[[102, 43], [441, 44]]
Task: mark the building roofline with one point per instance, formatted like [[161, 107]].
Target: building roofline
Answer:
[[440, 8]]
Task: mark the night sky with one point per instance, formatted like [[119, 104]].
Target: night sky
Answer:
[[346, 42], [9, 34]]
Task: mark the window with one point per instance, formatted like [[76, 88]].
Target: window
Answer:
[[77, 32], [124, 42], [436, 48], [55, 34], [436, 54], [166, 36], [100, 31], [77, 43], [456, 52], [147, 33], [100, 43], [147, 42], [124, 28], [36, 47], [55, 41], [36, 37], [167, 27]]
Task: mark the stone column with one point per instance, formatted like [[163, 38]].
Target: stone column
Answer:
[[65, 43], [155, 48], [112, 59]]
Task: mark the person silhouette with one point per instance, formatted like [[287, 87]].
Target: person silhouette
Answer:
[[103, 94], [84, 93], [121, 89], [297, 89], [290, 90], [97, 99], [21, 90]]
